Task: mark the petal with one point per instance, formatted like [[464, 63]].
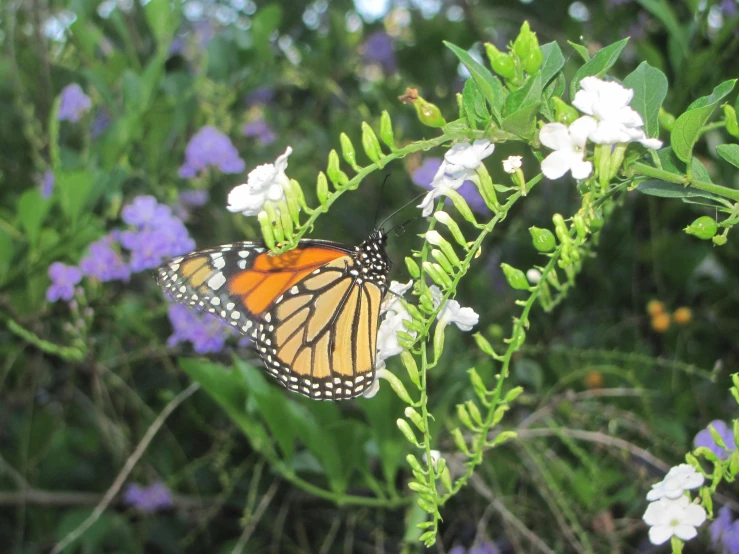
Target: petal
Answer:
[[556, 164], [428, 202], [651, 143], [281, 161], [585, 101], [684, 532], [659, 534], [581, 129], [465, 319], [695, 515], [555, 136], [582, 169]]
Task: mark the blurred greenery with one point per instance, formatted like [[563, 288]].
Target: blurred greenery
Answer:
[[250, 467]]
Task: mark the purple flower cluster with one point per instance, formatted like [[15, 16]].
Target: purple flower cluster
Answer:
[[149, 499], [260, 130], [424, 174], [73, 103], [378, 48], [63, 279], [210, 147], [206, 332], [725, 532], [157, 233], [704, 438], [104, 262]]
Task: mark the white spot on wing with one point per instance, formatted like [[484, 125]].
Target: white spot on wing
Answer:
[[217, 281]]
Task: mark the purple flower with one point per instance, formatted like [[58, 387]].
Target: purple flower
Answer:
[[262, 95], [206, 332], [424, 174], [103, 262], [210, 147], [378, 48], [47, 184], [725, 533], [158, 233], [261, 130], [74, 103], [729, 8], [63, 279], [704, 438], [149, 499], [189, 199]]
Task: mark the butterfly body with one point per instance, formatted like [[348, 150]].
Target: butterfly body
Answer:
[[312, 312]]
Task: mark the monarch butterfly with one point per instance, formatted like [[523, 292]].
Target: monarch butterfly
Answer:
[[312, 312]]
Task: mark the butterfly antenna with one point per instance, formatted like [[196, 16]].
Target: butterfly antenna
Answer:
[[403, 207], [379, 200]]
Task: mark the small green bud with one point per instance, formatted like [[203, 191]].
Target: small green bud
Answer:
[[426, 507], [386, 131], [502, 437], [666, 119], [275, 221], [563, 112], [442, 260], [526, 47], [734, 462], [322, 188], [412, 266], [437, 274], [438, 340], [543, 239], [706, 500], [560, 228], [370, 143], [478, 385], [445, 219], [515, 277], [512, 394], [266, 226], [428, 113], [461, 204], [406, 430], [433, 237], [501, 63], [415, 464], [474, 412], [418, 487], [460, 442], [484, 345], [446, 478], [487, 188], [732, 127], [719, 240], [338, 177], [499, 413], [347, 150], [582, 230], [410, 366], [704, 227], [464, 416], [416, 418]]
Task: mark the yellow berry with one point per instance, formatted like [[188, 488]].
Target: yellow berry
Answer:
[[683, 316], [594, 380], [655, 307], [661, 322]]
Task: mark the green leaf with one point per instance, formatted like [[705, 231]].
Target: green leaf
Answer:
[[650, 88], [264, 23], [553, 61], [521, 107], [489, 84], [75, 190], [163, 18], [663, 189], [32, 210], [475, 106], [729, 152], [580, 49], [6, 255], [688, 126], [598, 65]]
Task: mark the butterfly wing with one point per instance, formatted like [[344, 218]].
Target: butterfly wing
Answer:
[[311, 314]]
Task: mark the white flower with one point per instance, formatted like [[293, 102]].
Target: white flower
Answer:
[[387, 334], [374, 388], [394, 294], [608, 103], [460, 163], [678, 480], [678, 517], [452, 312], [265, 182], [512, 163], [569, 148], [435, 455]]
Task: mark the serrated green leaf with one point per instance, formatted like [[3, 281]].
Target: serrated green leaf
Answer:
[[650, 88], [553, 61], [598, 65], [729, 152], [687, 127], [489, 85]]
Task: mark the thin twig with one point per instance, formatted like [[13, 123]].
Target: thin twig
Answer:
[[127, 468], [255, 518]]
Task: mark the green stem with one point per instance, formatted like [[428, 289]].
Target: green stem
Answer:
[[67, 353], [649, 171]]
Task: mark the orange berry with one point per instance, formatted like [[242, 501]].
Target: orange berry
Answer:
[[661, 322], [594, 379], [655, 307], [683, 316]]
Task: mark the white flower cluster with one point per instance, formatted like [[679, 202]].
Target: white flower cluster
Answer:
[[608, 119], [670, 513], [266, 182], [460, 164]]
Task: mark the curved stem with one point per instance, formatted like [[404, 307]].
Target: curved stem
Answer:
[[649, 171]]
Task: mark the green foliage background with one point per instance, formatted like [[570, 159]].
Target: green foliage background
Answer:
[[607, 399]]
